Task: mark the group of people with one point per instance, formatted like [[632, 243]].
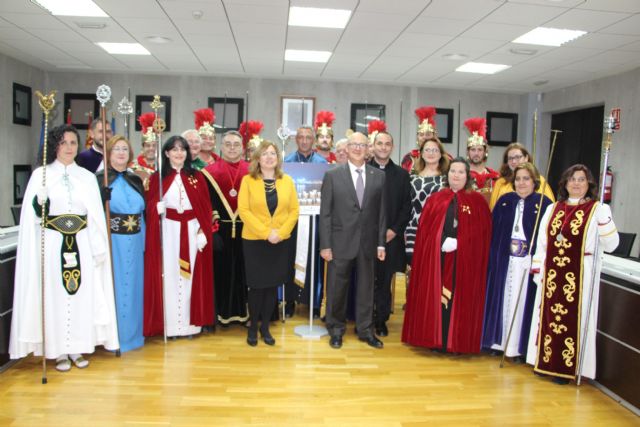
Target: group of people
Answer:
[[493, 263]]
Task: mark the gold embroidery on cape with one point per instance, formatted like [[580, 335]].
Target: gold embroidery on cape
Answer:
[[68, 240], [556, 223], [71, 278], [561, 261], [551, 285], [570, 288], [569, 353], [562, 244], [576, 223], [547, 348], [559, 311]]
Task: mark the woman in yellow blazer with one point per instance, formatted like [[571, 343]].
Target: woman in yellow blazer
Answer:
[[515, 154], [268, 207]]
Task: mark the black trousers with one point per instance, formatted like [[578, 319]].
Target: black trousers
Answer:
[[338, 280], [382, 292], [262, 303]]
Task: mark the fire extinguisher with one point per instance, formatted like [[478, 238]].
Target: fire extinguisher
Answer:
[[608, 185]]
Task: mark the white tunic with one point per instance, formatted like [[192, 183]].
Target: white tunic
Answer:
[[177, 298], [601, 226], [73, 323]]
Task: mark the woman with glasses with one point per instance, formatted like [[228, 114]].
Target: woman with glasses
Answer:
[[184, 213], [568, 286], [126, 206], [514, 155], [430, 178]]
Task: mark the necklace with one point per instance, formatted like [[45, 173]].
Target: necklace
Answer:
[[233, 192], [270, 185], [519, 210]]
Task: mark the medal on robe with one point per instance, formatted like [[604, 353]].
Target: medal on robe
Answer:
[[233, 192], [559, 237]]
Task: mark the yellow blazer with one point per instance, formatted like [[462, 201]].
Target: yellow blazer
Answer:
[[502, 187], [253, 210]]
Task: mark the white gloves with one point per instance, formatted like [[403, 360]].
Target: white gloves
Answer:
[[42, 195], [201, 241], [526, 262], [162, 208], [450, 244]]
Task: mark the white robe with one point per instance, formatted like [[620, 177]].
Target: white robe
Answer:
[[73, 323], [601, 226], [177, 288]]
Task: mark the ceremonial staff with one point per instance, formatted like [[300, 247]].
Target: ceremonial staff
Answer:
[[159, 126], [125, 108], [535, 137], [611, 125], [103, 95], [47, 102], [525, 273]]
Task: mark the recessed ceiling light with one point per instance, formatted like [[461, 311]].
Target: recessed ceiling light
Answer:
[[518, 51], [455, 56], [317, 17], [549, 36], [71, 7], [124, 48], [159, 39], [91, 25], [306, 55], [540, 82], [481, 68]]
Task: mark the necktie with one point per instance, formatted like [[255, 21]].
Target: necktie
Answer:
[[359, 187]]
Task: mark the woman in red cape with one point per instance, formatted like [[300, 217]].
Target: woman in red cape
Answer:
[[187, 233], [445, 304]]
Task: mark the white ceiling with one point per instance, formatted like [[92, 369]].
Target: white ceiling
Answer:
[[388, 41]]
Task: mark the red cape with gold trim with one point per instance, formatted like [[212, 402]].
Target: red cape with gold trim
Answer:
[[423, 315], [202, 311]]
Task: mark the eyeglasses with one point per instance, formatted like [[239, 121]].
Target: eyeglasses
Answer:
[[431, 150], [357, 145], [514, 158], [579, 179], [120, 149]]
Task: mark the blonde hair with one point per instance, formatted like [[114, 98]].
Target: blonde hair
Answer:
[[443, 163], [254, 166], [113, 141]]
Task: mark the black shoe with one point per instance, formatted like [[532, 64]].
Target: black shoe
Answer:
[[381, 329], [316, 313], [372, 341], [560, 381], [518, 360], [267, 338], [289, 309], [252, 338], [335, 341]]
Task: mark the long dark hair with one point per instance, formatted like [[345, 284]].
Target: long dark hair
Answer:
[[54, 138], [443, 163], [467, 185], [592, 191], [505, 170], [167, 146]]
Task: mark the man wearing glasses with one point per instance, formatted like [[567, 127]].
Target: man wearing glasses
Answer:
[[224, 177], [352, 233]]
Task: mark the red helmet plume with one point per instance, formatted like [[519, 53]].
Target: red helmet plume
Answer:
[[250, 131], [146, 123]]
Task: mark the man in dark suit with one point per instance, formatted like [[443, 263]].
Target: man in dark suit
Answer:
[[352, 232], [397, 192]]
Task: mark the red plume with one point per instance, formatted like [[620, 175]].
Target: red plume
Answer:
[[146, 121], [325, 117], [426, 113], [204, 115], [249, 129], [477, 124], [376, 126]]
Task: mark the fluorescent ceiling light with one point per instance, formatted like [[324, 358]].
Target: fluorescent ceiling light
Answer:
[[124, 48], [549, 36], [316, 17], [306, 55], [71, 8], [481, 68]]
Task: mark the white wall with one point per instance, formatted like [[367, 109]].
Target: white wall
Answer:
[[18, 143], [616, 91]]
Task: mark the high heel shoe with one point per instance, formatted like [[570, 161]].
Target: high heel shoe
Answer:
[[267, 338], [252, 338]]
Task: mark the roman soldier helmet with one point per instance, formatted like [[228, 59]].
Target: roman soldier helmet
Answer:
[[250, 131], [426, 119], [324, 121], [146, 123], [477, 127], [374, 127], [203, 120]]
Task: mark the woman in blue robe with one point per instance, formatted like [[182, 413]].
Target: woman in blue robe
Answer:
[[126, 203], [514, 218]]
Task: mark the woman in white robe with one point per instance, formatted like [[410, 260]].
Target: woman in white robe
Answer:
[[79, 312], [559, 229]]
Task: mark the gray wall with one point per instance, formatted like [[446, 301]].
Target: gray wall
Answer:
[[616, 91], [18, 143]]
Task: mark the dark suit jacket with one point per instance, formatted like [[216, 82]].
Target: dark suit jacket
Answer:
[[397, 189], [345, 228]]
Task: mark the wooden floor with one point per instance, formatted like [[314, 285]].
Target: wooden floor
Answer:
[[217, 380]]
